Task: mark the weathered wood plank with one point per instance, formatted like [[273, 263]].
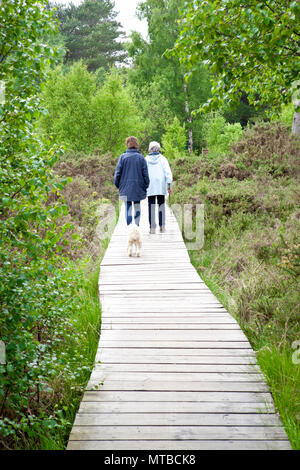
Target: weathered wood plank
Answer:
[[208, 368], [95, 407], [182, 319], [225, 348], [112, 325], [176, 385], [168, 359], [179, 445], [177, 432], [99, 375], [175, 419], [134, 396], [188, 335], [167, 351]]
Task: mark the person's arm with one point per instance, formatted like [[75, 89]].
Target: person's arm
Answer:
[[168, 173], [118, 172], [145, 174]]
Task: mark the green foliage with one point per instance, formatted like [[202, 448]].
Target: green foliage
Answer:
[[156, 75], [174, 140], [83, 117], [220, 135], [250, 258], [286, 115], [154, 107], [90, 32], [115, 116], [67, 98], [283, 377], [37, 292], [250, 47]]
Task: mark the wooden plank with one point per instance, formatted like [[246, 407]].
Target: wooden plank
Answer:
[[209, 359], [176, 419], [177, 432], [123, 317], [164, 309], [99, 375], [186, 444], [112, 325], [208, 368], [158, 318], [188, 335], [96, 407], [174, 385], [181, 352], [135, 396], [158, 286], [240, 348]]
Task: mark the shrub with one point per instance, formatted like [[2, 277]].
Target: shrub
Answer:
[[82, 117], [220, 135], [174, 140]]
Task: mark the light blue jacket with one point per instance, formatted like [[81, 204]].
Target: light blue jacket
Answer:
[[160, 174]]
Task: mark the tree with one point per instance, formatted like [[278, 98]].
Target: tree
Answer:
[[174, 140], [154, 107], [90, 32], [152, 64], [115, 115], [82, 116], [67, 98], [34, 296], [251, 47]]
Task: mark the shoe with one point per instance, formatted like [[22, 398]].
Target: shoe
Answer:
[[162, 229], [152, 230]]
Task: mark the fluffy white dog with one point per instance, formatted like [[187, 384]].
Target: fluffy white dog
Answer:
[[134, 240]]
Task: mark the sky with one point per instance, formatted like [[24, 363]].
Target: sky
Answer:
[[126, 17]]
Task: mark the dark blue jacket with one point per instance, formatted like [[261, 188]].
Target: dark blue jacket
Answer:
[[131, 175]]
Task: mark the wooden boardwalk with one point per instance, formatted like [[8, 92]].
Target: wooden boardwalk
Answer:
[[175, 370]]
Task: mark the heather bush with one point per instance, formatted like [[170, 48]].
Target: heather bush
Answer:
[[250, 257]]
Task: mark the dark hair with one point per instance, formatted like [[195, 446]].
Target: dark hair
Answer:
[[132, 142]]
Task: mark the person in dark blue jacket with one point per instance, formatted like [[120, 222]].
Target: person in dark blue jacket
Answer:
[[132, 179]]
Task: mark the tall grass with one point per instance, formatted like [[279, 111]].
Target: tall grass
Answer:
[[79, 353], [283, 377], [250, 258]]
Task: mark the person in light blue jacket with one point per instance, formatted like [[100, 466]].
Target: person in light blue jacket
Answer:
[[161, 179]]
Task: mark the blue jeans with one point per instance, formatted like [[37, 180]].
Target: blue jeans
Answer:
[[137, 211]]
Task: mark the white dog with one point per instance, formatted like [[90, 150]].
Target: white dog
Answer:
[[134, 240]]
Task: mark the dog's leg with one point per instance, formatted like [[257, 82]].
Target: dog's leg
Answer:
[[129, 250]]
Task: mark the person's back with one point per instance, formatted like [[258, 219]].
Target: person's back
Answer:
[[159, 178], [160, 175], [132, 178], [132, 181]]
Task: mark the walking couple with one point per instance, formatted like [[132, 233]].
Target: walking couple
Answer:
[[137, 177]]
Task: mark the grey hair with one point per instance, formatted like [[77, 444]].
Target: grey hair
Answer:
[[154, 147]]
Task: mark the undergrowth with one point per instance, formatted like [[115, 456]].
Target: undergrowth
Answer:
[[60, 333], [251, 253]]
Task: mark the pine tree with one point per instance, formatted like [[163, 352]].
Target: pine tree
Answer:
[[90, 32]]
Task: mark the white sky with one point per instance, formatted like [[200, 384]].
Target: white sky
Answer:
[[126, 17]]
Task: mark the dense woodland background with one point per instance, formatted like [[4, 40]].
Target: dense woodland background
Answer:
[[217, 84]]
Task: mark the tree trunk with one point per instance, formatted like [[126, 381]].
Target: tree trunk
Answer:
[[296, 121], [188, 119]]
